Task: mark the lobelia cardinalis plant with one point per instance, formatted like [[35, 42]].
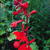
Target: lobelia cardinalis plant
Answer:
[[22, 35]]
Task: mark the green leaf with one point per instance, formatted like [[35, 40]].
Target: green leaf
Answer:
[[45, 48], [2, 32], [34, 46], [48, 32], [1, 41], [48, 43], [11, 37]]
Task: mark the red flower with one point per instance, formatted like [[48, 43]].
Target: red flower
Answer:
[[14, 24], [16, 33], [19, 0], [19, 21], [17, 12], [33, 40], [24, 5], [25, 12], [20, 36], [16, 44], [24, 47], [33, 12], [26, 29], [29, 48], [22, 27], [16, 2], [24, 38]]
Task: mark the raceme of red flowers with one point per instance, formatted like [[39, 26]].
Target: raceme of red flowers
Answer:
[[22, 35]]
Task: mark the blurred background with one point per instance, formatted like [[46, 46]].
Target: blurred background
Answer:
[[39, 24]]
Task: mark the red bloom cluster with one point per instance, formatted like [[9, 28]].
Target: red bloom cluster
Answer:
[[17, 12], [22, 47], [22, 36], [24, 5], [23, 8], [25, 47]]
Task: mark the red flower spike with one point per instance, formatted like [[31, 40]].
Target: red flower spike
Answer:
[[24, 5], [33, 12], [33, 40], [16, 44], [21, 36], [17, 12]]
